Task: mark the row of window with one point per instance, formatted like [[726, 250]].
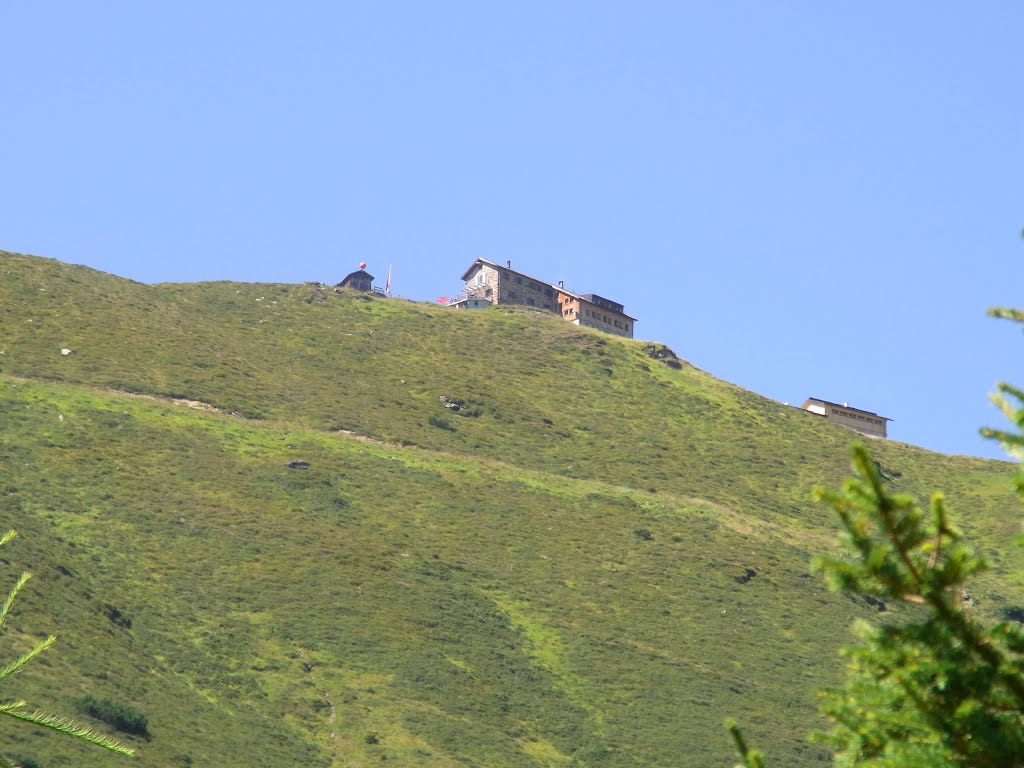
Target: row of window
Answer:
[[857, 416], [608, 320], [532, 286], [481, 279], [602, 327]]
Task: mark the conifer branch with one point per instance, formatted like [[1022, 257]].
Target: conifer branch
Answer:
[[1007, 313], [6, 607], [15, 708], [14, 666], [70, 727], [938, 507], [751, 758], [939, 689]]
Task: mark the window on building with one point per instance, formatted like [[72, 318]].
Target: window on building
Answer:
[[488, 293], [530, 302], [548, 292], [480, 278], [519, 281]]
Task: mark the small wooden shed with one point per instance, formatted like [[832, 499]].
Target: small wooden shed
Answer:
[[360, 280]]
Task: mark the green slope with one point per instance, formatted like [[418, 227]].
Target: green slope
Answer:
[[549, 576]]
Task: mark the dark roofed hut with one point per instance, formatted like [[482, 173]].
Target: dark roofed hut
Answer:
[[360, 280]]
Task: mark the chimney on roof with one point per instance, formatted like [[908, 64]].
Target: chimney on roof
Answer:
[[509, 263], [561, 284]]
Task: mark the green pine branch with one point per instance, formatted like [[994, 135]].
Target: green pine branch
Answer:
[[16, 709], [941, 690], [749, 758], [14, 666], [70, 727], [5, 609]]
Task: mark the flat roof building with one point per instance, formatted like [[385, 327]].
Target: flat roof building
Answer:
[[593, 311], [865, 422]]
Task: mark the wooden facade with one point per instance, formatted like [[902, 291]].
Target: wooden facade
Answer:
[[360, 280]]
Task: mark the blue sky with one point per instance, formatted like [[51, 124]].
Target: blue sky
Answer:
[[803, 198]]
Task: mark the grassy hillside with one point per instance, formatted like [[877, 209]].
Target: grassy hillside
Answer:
[[549, 575]]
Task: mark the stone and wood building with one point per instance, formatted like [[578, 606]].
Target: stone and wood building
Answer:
[[865, 422], [487, 282]]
